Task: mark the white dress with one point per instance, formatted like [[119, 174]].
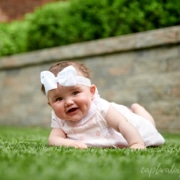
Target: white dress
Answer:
[[94, 131]]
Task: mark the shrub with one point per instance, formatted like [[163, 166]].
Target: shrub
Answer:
[[62, 23], [91, 19], [46, 26], [13, 38]]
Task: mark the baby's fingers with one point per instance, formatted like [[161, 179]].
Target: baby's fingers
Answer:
[[80, 146], [138, 146]]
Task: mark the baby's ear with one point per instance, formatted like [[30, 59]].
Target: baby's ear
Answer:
[[93, 89]]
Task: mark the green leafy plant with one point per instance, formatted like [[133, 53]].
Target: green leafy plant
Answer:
[[46, 24], [13, 38], [62, 23]]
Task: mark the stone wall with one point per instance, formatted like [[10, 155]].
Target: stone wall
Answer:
[[142, 67]]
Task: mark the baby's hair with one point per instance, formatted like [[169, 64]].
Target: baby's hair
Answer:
[[56, 68]]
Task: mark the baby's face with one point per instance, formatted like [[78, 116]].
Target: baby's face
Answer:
[[71, 103]]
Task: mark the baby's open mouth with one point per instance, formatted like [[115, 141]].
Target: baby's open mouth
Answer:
[[72, 110]]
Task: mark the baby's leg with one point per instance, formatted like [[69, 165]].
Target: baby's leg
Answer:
[[141, 111]]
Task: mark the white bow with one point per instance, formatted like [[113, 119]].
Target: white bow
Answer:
[[66, 77]]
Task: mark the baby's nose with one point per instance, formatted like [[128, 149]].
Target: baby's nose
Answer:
[[69, 101]]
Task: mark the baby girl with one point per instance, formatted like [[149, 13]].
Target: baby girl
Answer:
[[82, 119]]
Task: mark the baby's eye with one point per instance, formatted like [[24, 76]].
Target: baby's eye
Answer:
[[58, 99], [75, 92]]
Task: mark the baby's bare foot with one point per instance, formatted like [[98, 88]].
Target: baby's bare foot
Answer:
[[141, 111]]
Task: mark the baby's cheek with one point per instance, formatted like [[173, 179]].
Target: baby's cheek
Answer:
[[59, 112]]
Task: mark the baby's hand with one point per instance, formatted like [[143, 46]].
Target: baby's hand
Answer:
[[80, 145], [138, 146]]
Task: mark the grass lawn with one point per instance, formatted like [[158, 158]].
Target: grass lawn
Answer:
[[25, 155]]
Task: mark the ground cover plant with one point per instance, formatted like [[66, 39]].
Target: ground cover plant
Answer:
[[24, 154]]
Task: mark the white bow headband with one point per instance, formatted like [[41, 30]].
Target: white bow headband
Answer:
[[66, 77]]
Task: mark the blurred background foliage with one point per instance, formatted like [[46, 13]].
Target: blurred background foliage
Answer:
[[62, 23]]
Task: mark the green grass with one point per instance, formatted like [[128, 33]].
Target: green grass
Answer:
[[25, 155]]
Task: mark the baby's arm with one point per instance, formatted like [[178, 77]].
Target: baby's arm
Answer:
[[58, 138], [117, 121]]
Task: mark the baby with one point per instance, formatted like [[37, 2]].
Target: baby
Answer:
[[81, 119]]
